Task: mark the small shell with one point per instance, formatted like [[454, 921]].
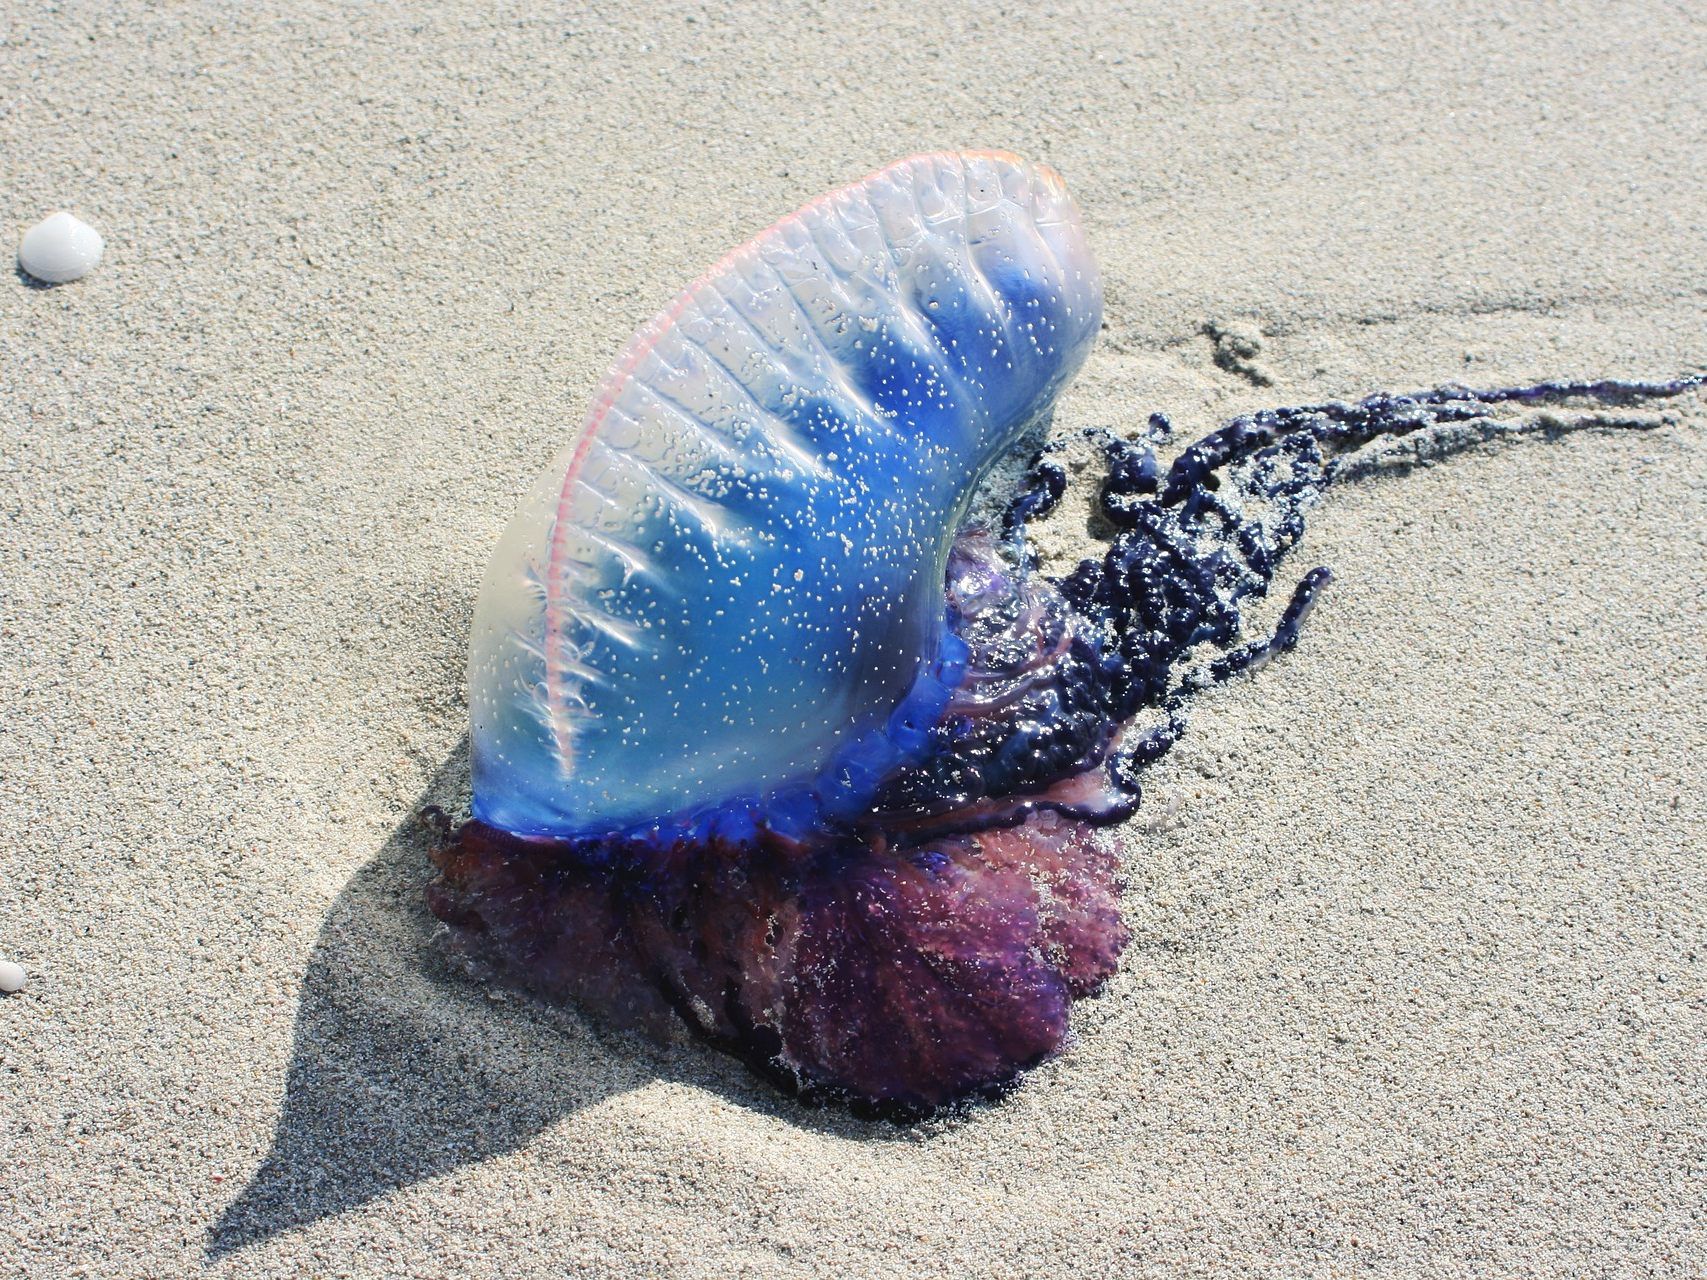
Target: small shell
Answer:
[[11, 977], [60, 248]]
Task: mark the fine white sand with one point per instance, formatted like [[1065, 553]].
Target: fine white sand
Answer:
[[1417, 979]]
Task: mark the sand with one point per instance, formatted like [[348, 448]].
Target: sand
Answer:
[[1420, 912]]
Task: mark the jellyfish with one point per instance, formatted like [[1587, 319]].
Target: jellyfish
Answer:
[[776, 737]]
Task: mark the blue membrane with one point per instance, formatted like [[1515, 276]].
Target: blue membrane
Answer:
[[732, 577]]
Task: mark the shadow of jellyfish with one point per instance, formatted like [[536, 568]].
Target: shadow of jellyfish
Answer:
[[401, 1068]]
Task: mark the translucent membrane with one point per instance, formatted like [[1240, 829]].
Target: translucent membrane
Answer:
[[731, 580]]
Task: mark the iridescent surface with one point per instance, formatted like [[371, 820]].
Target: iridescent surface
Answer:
[[732, 577]]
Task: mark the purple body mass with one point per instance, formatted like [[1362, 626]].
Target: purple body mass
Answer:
[[905, 921]]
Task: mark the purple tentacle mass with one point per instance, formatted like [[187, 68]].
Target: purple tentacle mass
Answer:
[[926, 944]]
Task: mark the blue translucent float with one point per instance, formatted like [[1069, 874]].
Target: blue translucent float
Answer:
[[731, 580]]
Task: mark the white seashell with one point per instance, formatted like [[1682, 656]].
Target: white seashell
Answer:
[[60, 248], [11, 977]]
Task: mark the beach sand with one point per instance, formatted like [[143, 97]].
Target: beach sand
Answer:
[[1420, 911]]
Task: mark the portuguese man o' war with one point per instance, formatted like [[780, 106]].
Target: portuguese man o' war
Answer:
[[770, 740]]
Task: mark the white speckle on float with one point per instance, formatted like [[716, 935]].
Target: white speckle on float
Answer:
[[60, 248], [11, 977]]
